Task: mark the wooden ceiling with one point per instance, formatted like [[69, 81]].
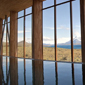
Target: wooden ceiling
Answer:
[[13, 5]]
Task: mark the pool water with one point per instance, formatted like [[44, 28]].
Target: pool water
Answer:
[[19, 71]]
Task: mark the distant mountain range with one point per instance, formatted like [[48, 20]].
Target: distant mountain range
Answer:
[[76, 41], [22, 42]]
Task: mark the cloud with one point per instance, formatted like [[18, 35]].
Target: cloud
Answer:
[[63, 40], [47, 40], [23, 32], [77, 34], [19, 31], [29, 40], [77, 26], [61, 27], [49, 28]]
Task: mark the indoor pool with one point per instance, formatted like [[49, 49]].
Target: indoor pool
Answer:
[[20, 71]]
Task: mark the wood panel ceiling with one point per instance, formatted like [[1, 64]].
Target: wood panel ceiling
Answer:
[[13, 5]]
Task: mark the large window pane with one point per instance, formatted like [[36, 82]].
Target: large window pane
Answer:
[[48, 3], [63, 33], [21, 13], [28, 37], [20, 37], [61, 1], [8, 39], [76, 31], [4, 41], [48, 34], [29, 10]]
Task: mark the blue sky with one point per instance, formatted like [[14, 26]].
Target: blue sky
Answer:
[[63, 22]]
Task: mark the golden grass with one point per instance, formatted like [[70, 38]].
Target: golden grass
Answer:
[[49, 53]]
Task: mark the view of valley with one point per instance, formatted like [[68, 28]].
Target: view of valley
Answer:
[[63, 51]]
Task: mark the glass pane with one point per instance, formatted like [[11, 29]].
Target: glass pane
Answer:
[[21, 13], [64, 74], [3, 21], [49, 73], [78, 70], [20, 71], [29, 72], [61, 1], [8, 40], [28, 37], [28, 10], [63, 33], [4, 68], [8, 19], [77, 31], [48, 34], [4, 42], [48, 3], [20, 37]]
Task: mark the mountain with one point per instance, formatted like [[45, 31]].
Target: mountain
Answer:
[[22, 42], [76, 41]]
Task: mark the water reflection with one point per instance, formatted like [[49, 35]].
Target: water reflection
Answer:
[[13, 71], [83, 73], [16, 71]]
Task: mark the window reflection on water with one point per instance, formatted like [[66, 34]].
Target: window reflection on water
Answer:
[[19, 71]]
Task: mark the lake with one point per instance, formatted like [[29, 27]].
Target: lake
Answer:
[[68, 46]]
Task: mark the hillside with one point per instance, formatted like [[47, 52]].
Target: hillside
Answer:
[[22, 42]]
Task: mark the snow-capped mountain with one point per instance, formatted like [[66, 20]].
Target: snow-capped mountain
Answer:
[[76, 41]]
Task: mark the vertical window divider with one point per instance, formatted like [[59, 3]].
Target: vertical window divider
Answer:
[[24, 50], [71, 28], [6, 37], [24, 34], [55, 30]]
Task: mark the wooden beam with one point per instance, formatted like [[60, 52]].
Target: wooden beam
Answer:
[[1, 22], [37, 40], [6, 37], [71, 26], [55, 31], [13, 33], [82, 15], [24, 34]]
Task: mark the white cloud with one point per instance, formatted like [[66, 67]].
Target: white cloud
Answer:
[[26, 39], [77, 34], [49, 28], [61, 27], [19, 31], [63, 40], [22, 31], [47, 40], [77, 26]]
